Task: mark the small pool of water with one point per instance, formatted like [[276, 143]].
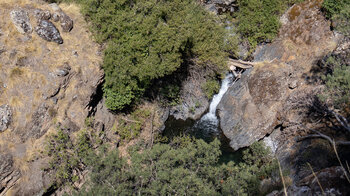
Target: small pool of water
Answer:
[[202, 130]]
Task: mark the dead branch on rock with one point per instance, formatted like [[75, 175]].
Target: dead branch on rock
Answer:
[[332, 142], [322, 136], [241, 64]]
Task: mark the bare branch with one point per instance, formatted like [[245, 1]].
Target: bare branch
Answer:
[[323, 136]]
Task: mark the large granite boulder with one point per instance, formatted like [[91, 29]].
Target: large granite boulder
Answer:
[[21, 21], [48, 31], [5, 117], [248, 110]]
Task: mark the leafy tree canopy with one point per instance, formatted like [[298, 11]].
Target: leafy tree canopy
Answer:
[[149, 39], [184, 167]]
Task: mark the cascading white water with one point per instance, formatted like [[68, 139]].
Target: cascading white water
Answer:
[[207, 126], [211, 115]]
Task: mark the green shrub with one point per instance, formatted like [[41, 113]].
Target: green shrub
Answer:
[[258, 20], [338, 87], [184, 167], [339, 12], [333, 7], [211, 87], [129, 127], [67, 157], [149, 39]]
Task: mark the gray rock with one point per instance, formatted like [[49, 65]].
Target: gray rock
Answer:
[[21, 21], [249, 108], [66, 22], [8, 174], [63, 71], [48, 31], [5, 117], [293, 84], [55, 7], [55, 17], [42, 15]]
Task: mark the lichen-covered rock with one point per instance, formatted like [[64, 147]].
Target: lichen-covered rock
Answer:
[[48, 31], [21, 21], [42, 14], [66, 22], [5, 117]]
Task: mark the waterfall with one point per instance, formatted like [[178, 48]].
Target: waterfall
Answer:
[[211, 115], [207, 126]]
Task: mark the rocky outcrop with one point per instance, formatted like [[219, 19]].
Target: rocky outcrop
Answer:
[[5, 117], [8, 174], [193, 102], [276, 99], [21, 20], [248, 110], [44, 86], [48, 31]]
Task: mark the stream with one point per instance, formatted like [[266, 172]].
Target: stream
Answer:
[[207, 127]]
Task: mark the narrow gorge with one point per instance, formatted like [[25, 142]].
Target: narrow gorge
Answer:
[[191, 97]]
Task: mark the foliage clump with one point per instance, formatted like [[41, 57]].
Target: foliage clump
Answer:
[[183, 167], [258, 20], [149, 39], [68, 156], [337, 91], [211, 87], [339, 12], [130, 126]]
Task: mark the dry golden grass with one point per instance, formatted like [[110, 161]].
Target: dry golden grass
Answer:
[[26, 85]]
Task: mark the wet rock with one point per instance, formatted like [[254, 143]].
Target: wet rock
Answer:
[[66, 22], [194, 101], [21, 21], [48, 31], [8, 174], [5, 117]]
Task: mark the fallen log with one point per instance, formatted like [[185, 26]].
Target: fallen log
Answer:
[[240, 64]]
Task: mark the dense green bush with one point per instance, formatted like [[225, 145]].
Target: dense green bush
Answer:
[[258, 20], [211, 87], [68, 156], [149, 39], [339, 12], [183, 167], [338, 87]]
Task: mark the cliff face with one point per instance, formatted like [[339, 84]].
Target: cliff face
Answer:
[[50, 72], [249, 110], [271, 100]]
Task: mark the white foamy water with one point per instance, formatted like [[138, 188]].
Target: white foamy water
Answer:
[[211, 115]]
